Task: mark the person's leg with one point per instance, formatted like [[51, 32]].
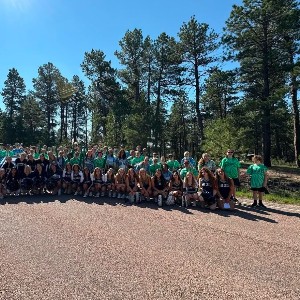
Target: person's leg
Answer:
[[254, 199], [260, 199]]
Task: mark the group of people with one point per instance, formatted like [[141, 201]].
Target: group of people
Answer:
[[132, 175]]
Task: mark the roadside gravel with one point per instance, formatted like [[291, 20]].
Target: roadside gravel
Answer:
[[83, 250]]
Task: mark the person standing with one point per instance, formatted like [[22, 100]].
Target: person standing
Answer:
[[258, 179], [231, 167]]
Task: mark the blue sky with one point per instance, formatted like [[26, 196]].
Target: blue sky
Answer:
[[35, 32]]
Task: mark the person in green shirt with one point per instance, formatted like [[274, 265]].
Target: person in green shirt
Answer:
[[231, 167], [75, 160], [2, 152], [188, 168], [100, 161], [258, 179], [154, 166], [137, 159], [172, 163]]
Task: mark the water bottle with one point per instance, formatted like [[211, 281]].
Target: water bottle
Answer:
[[159, 202], [137, 197]]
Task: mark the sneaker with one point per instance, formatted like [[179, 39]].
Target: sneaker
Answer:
[[261, 205], [254, 204], [59, 192], [98, 194], [102, 194], [91, 194], [85, 195], [119, 196], [76, 193]]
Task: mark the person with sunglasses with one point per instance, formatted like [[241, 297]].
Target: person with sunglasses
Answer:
[[231, 167]]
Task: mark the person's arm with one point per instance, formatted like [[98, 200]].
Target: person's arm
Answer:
[[266, 178]]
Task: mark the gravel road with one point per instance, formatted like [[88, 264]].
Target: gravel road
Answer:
[[75, 249]]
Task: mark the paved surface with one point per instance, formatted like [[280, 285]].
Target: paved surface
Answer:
[[70, 249]]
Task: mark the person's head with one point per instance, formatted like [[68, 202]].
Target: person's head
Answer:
[[53, 166], [186, 163], [170, 156], [50, 154], [205, 156], [110, 171], [146, 159], [9, 159], [131, 172], [22, 156], [206, 174], [189, 178], [229, 152], [257, 159], [137, 153], [142, 172], [75, 168], [220, 173], [158, 173], [186, 154], [39, 167], [165, 167], [68, 166], [86, 170], [176, 176], [42, 156], [100, 154], [2, 172], [121, 171], [27, 170], [155, 160], [154, 155], [162, 159], [13, 170]]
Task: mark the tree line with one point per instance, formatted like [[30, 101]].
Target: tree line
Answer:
[[201, 90]]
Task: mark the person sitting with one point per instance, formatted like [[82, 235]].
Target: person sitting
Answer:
[[208, 188], [190, 187], [175, 189], [225, 189]]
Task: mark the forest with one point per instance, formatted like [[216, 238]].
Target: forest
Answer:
[[200, 91]]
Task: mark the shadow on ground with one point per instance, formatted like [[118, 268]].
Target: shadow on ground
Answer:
[[242, 211]]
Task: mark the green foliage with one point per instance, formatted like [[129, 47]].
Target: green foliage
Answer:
[[222, 134], [13, 93]]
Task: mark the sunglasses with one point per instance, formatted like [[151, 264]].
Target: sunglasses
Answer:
[[229, 151]]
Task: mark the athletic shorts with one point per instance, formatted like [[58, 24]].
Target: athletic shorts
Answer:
[[261, 189], [236, 181]]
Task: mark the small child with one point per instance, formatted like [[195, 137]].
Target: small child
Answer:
[[258, 181]]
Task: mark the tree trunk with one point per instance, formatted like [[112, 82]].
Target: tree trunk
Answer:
[[296, 126], [198, 111]]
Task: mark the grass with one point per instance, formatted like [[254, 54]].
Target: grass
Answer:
[[284, 184], [277, 196]]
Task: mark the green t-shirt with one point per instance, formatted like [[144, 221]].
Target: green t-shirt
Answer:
[[2, 153], [173, 165], [185, 170], [100, 162], [230, 166], [153, 168], [136, 160], [257, 173], [75, 160]]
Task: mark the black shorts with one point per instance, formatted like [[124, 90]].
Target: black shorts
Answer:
[[236, 181], [261, 189]]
